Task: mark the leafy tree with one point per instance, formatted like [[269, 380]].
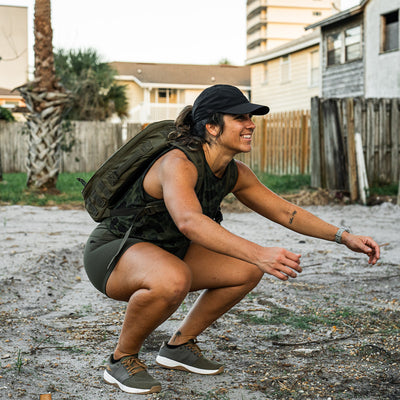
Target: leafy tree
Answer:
[[45, 99], [224, 61], [96, 96]]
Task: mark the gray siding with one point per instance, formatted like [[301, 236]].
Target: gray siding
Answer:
[[382, 73], [346, 80]]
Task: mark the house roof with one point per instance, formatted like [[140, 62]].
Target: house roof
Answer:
[[8, 92], [350, 12], [303, 42], [182, 75]]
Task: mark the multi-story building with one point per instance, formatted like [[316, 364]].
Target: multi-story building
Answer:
[[13, 53], [272, 23]]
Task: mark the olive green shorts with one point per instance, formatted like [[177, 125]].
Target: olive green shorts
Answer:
[[103, 250]]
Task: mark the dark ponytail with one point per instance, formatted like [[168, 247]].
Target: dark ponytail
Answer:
[[193, 135]]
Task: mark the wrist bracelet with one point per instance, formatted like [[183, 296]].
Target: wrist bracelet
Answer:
[[339, 233]]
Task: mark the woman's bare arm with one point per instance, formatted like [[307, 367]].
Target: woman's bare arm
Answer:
[[251, 192]]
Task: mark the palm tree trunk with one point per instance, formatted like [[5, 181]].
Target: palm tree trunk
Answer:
[[46, 101]]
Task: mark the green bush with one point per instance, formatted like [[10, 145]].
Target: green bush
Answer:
[[6, 115]]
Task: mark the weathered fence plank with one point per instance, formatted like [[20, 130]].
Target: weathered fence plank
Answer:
[[395, 141], [351, 151], [315, 158], [13, 146], [333, 125]]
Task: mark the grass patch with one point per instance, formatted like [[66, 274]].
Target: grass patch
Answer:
[[285, 184], [13, 190], [306, 320], [384, 190]]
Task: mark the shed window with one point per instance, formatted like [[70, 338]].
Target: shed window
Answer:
[[352, 39], [334, 46], [344, 46], [390, 31]]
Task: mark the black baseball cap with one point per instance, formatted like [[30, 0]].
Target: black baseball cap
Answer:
[[224, 99]]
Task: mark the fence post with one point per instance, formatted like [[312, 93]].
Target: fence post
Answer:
[[351, 151], [398, 194], [303, 141], [362, 173], [315, 159], [395, 139]]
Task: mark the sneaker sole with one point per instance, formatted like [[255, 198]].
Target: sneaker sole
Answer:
[[112, 381], [172, 364]]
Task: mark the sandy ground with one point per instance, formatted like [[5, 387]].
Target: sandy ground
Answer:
[[333, 333]]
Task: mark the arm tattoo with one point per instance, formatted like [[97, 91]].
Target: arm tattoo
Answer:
[[291, 219]]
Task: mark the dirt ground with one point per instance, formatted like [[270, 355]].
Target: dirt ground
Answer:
[[332, 333]]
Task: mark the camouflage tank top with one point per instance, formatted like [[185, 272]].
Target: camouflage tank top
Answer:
[[158, 226]]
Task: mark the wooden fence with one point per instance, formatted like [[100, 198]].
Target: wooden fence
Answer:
[[93, 142], [281, 144], [334, 124]]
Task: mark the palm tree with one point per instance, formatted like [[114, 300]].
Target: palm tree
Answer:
[[94, 93], [46, 101]]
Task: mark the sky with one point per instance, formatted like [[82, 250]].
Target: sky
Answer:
[[162, 31]]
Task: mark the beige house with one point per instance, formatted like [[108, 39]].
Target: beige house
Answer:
[[286, 77], [13, 53], [272, 23], [160, 91], [10, 99]]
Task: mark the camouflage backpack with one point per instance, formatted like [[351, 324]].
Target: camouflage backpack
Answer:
[[121, 169]]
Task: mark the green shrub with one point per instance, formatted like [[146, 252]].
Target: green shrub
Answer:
[[6, 115]]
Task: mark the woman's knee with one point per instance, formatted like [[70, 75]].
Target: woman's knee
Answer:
[[253, 276], [174, 286]]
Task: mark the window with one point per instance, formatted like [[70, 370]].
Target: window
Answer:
[[316, 13], [314, 68], [164, 96], [390, 31], [334, 47], [352, 42], [344, 46], [285, 69]]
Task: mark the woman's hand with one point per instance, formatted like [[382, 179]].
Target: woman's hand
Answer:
[[279, 262], [362, 244]]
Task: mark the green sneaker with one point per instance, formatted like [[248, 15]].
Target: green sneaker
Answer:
[[187, 357], [131, 376]]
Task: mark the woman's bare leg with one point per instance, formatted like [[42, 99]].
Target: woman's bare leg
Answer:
[[226, 280], [154, 283]]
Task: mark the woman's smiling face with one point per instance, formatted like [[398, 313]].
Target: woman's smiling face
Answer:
[[238, 132]]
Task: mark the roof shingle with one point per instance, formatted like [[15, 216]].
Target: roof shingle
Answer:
[[184, 74]]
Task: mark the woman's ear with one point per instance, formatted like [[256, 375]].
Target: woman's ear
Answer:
[[213, 130]]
